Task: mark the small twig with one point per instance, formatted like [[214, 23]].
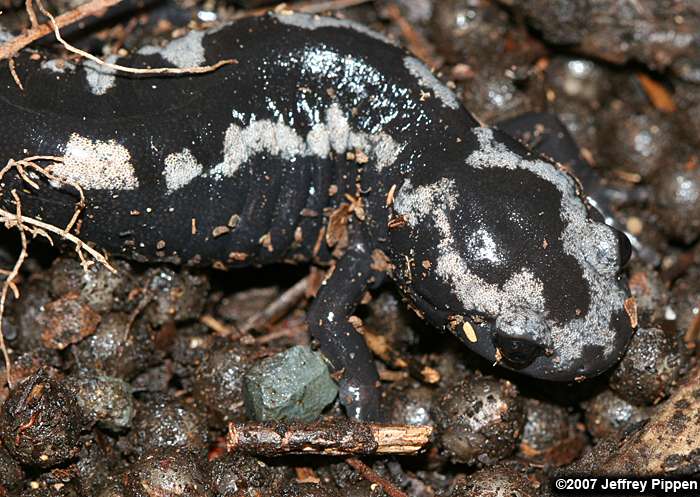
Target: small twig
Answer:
[[13, 73], [29, 5], [131, 70], [6, 286], [298, 334], [79, 244], [415, 41], [40, 228], [691, 335], [220, 328], [143, 303], [93, 8], [278, 308], [328, 436], [308, 7], [370, 475], [13, 285]]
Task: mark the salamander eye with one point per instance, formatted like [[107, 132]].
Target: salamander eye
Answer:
[[624, 248], [517, 353]]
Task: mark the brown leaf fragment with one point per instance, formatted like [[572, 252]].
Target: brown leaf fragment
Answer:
[[381, 262], [319, 240], [396, 222], [356, 206], [338, 225]]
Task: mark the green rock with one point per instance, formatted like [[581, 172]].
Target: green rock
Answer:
[[292, 385]]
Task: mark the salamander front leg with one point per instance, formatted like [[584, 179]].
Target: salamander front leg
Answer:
[[344, 347]]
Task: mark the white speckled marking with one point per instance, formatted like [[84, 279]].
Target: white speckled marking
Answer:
[[97, 165], [101, 79], [241, 143], [180, 169], [428, 80], [353, 73], [59, 66], [187, 51], [307, 21], [483, 247]]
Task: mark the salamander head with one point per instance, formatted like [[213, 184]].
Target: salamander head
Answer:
[[503, 250]]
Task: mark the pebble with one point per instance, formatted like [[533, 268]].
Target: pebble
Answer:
[[292, 385]]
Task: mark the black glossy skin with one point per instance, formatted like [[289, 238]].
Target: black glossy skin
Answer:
[[284, 73]]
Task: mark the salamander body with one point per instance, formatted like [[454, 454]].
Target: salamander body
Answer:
[[251, 164]]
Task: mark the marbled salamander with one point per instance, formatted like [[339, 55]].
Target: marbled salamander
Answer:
[[244, 166]]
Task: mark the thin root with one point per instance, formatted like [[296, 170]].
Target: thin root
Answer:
[[132, 70], [29, 225]]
